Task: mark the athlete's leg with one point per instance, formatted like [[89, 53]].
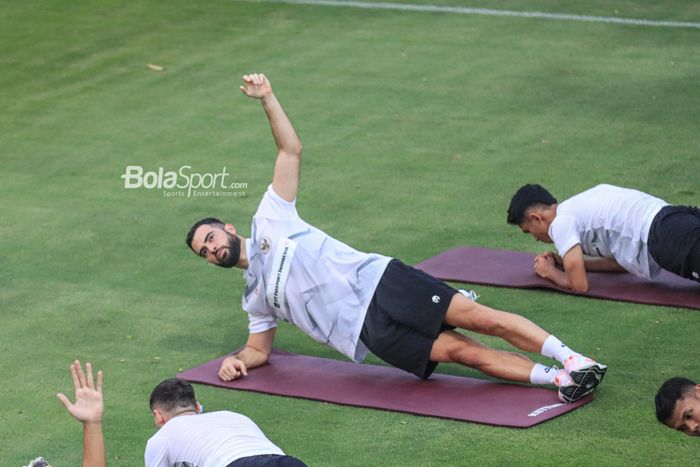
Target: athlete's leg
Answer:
[[453, 347], [526, 335], [518, 330]]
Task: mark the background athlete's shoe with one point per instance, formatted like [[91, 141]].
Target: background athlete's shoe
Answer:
[[585, 372]]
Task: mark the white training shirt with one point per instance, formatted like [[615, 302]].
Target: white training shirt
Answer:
[[610, 222], [300, 274], [207, 440]]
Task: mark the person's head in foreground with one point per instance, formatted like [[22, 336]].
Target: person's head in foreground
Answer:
[[215, 241], [678, 405], [533, 208], [171, 398]]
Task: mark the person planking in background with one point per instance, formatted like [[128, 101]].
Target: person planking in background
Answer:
[[608, 229]]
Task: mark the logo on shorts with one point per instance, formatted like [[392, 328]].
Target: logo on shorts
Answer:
[[265, 244], [436, 299]]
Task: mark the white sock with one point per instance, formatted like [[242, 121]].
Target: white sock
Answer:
[[556, 349], [541, 374]]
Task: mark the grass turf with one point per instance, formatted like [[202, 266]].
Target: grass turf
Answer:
[[417, 128]]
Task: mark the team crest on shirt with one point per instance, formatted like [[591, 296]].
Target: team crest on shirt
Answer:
[[265, 244]]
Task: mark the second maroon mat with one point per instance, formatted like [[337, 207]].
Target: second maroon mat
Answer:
[[514, 269]]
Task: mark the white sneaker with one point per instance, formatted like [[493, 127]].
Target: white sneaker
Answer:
[[569, 391], [583, 368]]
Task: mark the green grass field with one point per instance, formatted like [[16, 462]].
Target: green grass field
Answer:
[[417, 128]]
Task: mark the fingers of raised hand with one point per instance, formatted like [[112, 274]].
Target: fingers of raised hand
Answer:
[[74, 374], [258, 78], [255, 79], [81, 374], [66, 402], [89, 381], [78, 375]]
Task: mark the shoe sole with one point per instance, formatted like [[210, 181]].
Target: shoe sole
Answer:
[[571, 394], [586, 379], [588, 374]]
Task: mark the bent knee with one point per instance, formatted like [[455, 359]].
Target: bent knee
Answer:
[[457, 348]]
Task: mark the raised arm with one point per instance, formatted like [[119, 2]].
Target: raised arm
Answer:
[[88, 410], [255, 353], [285, 180]]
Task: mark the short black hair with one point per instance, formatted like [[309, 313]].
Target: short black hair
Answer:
[[193, 229], [171, 394], [528, 196], [669, 393]]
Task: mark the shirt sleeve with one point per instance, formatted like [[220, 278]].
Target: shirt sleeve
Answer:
[[156, 454], [273, 206], [564, 233], [259, 322]]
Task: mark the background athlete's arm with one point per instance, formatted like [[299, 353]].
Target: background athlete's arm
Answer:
[[603, 265], [575, 266], [285, 180], [255, 353], [573, 277]]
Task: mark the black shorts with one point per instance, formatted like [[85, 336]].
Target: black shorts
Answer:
[[405, 316], [267, 460], [674, 240]]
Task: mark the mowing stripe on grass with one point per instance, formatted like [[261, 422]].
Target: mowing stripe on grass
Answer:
[[487, 12]]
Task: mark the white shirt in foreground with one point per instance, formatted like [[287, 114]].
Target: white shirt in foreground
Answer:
[[300, 274], [207, 440], [610, 222]]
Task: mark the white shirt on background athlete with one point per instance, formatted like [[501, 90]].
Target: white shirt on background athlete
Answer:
[[299, 274], [207, 440], [610, 222]]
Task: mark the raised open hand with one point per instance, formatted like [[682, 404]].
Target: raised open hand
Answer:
[[88, 406]]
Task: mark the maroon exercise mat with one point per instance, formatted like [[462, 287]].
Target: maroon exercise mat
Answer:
[[386, 388], [514, 269]]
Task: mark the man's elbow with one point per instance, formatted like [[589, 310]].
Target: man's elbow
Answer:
[[293, 151]]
